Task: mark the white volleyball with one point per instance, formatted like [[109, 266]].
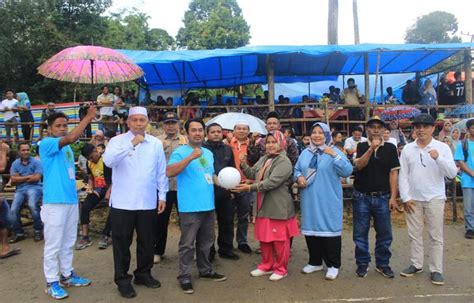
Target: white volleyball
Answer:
[[229, 177]]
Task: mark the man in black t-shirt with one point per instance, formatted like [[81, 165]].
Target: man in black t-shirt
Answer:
[[457, 89], [444, 92], [375, 195]]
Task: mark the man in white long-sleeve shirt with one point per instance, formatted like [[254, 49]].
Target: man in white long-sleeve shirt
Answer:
[[424, 164], [139, 172]]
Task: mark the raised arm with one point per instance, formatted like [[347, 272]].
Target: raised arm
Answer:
[[79, 129]]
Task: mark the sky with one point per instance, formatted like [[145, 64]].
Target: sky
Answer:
[[304, 22]]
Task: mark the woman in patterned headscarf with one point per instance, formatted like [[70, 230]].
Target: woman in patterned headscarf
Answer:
[[275, 221], [318, 172]]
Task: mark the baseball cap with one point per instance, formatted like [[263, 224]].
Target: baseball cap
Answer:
[[170, 117], [423, 119], [375, 119]]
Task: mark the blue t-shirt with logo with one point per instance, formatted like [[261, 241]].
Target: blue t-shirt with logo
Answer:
[[466, 180], [195, 182], [59, 173]]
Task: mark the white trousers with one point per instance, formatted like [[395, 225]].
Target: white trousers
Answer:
[[433, 213], [60, 234]]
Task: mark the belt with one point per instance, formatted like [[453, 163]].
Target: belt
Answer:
[[376, 193]]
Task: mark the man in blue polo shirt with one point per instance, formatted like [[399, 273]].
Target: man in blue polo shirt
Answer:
[[26, 175], [193, 167], [60, 211]]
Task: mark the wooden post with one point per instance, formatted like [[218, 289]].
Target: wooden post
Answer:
[[468, 76], [366, 85], [271, 83], [376, 77], [356, 22]]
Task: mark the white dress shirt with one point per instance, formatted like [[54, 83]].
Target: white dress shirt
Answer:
[[137, 172], [350, 143], [421, 177]]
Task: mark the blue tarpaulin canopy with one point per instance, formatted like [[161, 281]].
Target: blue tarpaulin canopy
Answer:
[[246, 65]]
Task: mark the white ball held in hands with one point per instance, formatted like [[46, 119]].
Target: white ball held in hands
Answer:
[[229, 178]]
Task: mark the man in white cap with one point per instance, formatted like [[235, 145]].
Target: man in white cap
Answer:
[[243, 201], [139, 172]]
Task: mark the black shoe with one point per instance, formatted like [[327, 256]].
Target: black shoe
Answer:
[[214, 276], [469, 234], [385, 271], [187, 287], [229, 255], [127, 291], [245, 248], [16, 238], [362, 270], [149, 282], [38, 236]]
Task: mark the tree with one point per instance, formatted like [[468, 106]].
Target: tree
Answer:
[[210, 24], [435, 27]]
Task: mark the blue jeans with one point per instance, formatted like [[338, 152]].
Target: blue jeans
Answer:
[[365, 208], [468, 196], [32, 195]]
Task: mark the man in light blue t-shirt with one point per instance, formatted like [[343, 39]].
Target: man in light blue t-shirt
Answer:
[[464, 156], [60, 211], [193, 167]]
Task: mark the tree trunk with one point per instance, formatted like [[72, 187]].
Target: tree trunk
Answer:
[[356, 22], [333, 13]]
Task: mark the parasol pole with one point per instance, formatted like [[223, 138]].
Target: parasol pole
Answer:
[[92, 79], [74, 100]]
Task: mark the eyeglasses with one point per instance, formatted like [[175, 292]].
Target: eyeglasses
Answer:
[[421, 160]]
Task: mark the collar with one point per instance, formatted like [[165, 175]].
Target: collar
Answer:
[[370, 142], [21, 162], [236, 141], [430, 145]]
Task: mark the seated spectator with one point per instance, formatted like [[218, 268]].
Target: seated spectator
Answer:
[[350, 145], [284, 111], [100, 179], [238, 108], [334, 96], [130, 98], [390, 98], [26, 173], [457, 89], [410, 93]]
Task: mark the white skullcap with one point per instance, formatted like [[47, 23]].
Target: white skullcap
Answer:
[[242, 122], [138, 110]]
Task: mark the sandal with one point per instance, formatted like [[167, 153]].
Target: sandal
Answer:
[[11, 252]]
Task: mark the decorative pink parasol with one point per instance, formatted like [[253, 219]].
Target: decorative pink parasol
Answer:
[[90, 64]]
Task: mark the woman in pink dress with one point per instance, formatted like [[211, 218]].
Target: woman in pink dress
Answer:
[[275, 221]]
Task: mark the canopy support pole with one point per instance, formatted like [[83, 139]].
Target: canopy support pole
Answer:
[[271, 83], [382, 99], [366, 85], [376, 77], [468, 76]]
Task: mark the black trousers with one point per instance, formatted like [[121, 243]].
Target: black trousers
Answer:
[[162, 222], [124, 223], [225, 223], [90, 202], [327, 249]]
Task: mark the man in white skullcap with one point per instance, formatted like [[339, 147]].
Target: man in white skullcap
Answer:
[[139, 187]]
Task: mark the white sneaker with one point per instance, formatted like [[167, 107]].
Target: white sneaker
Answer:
[[332, 273], [156, 259], [258, 273], [277, 277], [309, 269]]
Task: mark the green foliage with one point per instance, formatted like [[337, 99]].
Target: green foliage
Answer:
[[210, 24], [435, 27], [34, 30], [76, 148]]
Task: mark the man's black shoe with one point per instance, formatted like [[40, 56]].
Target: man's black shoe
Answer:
[[214, 277], [149, 282], [127, 291], [469, 234], [385, 271], [245, 248], [16, 238], [38, 236], [187, 287], [229, 255]]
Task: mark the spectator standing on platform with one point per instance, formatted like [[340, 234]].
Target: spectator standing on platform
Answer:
[[82, 114], [26, 117], [375, 195], [464, 155], [26, 173], [60, 211], [390, 98], [275, 220], [100, 179], [428, 98], [351, 96], [424, 165], [139, 187], [193, 167], [49, 110], [106, 102], [445, 96], [457, 89], [10, 117], [318, 172], [223, 157], [171, 140], [410, 93]]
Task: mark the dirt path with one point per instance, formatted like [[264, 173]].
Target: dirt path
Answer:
[[21, 277]]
